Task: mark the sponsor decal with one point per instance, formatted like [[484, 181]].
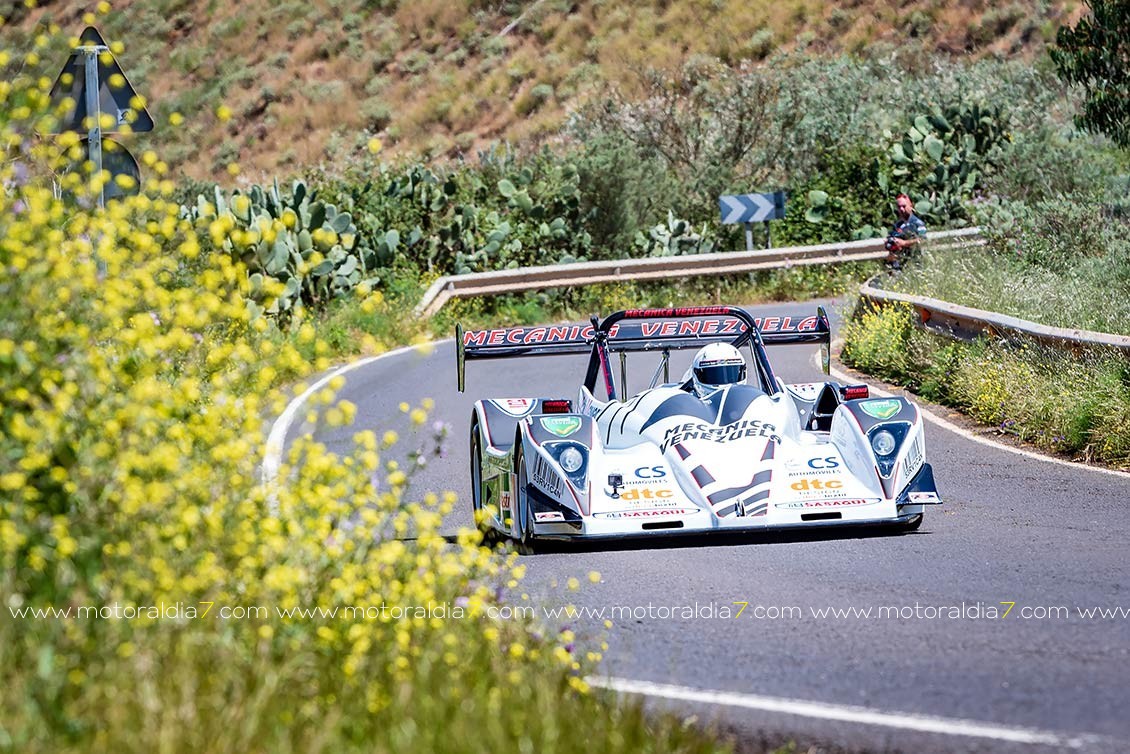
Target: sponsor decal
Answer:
[[545, 477], [677, 328], [562, 426], [813, 466], [804, 485], [650, 472], [783, 324], [641, 494], [647, 513], [925, 497], [914, 457], [691, 328], [651, 503], [829, 503], [519, 336], [549, 516], [726, 433], [504, 501], [881, 409], [515, 406]]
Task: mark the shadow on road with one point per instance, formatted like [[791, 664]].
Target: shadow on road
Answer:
[[698, 539]]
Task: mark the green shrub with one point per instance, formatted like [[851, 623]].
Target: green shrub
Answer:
[[501, 213], [875, 340], [844, 200], [1071, 403], [1054, 234], [622, 190]]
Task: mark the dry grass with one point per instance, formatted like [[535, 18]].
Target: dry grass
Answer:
[[433, 95]]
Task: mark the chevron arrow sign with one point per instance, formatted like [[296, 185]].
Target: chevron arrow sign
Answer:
[[752, 208]]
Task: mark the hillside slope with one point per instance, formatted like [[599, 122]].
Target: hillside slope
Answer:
[[312, 81]]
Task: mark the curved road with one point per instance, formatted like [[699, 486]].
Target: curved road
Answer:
[[936, 671]]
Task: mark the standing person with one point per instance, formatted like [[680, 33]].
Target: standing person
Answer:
[[907, 232]]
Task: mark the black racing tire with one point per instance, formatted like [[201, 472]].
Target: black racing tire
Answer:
[[477, 486], [913, 524], [522, 528]]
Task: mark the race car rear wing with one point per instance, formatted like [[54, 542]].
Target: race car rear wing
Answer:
[[644, 330]]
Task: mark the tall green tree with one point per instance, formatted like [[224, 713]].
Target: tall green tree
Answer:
[[1095, 54]]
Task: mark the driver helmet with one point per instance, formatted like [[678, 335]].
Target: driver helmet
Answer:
[[715, 366]]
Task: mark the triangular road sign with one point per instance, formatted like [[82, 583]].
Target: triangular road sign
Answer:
[[117, 161], [116, 96]]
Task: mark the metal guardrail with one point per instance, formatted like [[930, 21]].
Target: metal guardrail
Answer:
[[966, 323], [659, 268]]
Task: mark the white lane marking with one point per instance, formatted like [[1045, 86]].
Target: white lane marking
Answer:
[[276, 440], [951, 427], [843, 713]]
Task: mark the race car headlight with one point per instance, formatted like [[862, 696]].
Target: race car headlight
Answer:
[[883, 443], [571, 460]]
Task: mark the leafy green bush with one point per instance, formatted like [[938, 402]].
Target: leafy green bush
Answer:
[[851, 131], [845, 199], [1049, 161], [622, 191], [1054, 234], [501, 213], [875, 340]]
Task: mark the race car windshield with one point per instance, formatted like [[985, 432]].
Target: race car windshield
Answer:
[[721, 374]]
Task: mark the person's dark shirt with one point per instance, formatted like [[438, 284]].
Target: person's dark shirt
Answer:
[[911, 227]]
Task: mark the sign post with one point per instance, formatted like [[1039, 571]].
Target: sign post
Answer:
[[752, 208], [94, 112]]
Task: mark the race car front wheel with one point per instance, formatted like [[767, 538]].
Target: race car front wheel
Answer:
[[522, 527], [912, 524], [478, 490]]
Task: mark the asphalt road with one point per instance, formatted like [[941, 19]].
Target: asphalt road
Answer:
[[1041, 540]]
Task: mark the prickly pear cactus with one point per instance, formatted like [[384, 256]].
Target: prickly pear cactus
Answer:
[[672, 238], [945, 155], [307, 247]]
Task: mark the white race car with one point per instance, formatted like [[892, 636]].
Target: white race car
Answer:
[[675, 458]]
